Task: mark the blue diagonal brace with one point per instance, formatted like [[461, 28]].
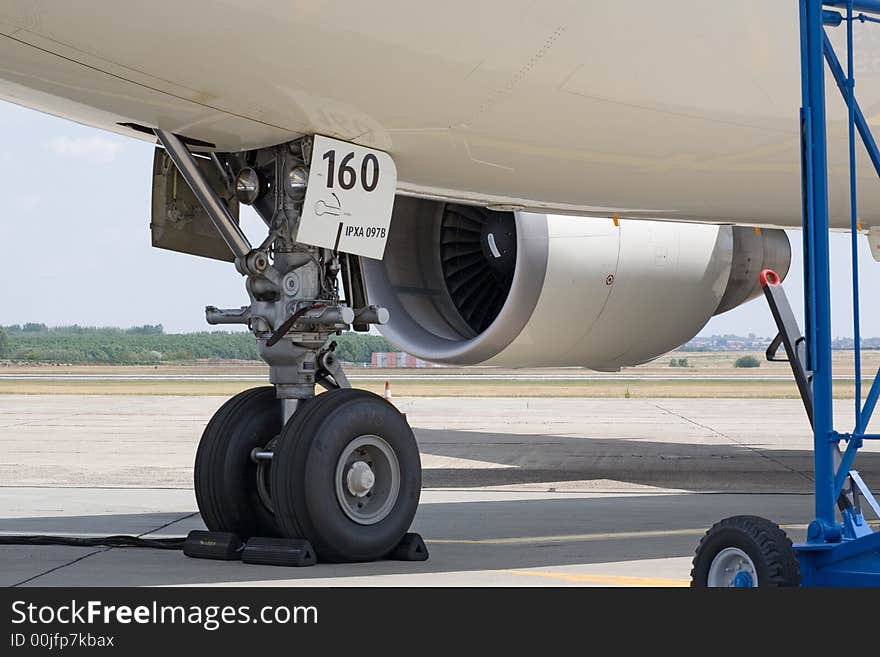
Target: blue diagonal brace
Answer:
[[871, 401], [861, 123], [866, 492], [849, 457], [874, 154], [872, 6]]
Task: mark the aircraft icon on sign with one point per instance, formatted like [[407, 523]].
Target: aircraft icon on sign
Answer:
[[331, 208]]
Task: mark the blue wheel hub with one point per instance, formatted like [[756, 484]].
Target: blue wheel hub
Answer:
[[743, 580]]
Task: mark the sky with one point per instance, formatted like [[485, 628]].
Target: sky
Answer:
[[75, 242]]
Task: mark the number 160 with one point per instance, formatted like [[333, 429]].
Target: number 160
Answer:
[[347, 175]]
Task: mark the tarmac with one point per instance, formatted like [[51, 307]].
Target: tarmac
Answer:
[[518, 492]]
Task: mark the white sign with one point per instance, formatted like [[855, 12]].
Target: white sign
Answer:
[[349, 199]]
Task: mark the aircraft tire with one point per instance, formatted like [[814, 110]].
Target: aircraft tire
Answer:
[[225, 477], [346, 476]]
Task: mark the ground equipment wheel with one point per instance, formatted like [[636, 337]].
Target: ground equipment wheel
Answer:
[[346, 475], [745, 552], [231, 490]]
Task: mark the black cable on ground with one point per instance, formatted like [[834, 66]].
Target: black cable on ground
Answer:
[[175, 543]]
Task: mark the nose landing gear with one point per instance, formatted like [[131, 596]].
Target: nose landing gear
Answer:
[[341, 469]]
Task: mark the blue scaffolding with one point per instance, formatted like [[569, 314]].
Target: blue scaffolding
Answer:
[[845, 551]]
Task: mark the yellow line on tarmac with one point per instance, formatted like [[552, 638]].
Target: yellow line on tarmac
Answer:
[[524, 540], [585, 578]]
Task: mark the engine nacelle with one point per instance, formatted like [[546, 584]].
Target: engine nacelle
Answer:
[[467, 285]]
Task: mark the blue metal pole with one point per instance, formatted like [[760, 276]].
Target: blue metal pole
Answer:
[[854, 220], [819, 334], [861, 123], [874, 153], [807, 192]]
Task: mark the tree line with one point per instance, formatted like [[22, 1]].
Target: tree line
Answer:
[[149, 344]]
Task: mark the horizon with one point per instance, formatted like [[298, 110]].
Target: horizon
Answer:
[[135, 329]]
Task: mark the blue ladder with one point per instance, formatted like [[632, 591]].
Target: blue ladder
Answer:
[[843, 552]]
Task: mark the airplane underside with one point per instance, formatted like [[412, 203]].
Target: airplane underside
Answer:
[[405, 184], [681, 112]]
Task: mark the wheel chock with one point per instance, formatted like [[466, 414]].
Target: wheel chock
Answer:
[[295, 552], [411, 548], [225, 546], [279, 552]]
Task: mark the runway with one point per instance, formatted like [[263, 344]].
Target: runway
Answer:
[[424, 376], [521, 492], [475, 538]]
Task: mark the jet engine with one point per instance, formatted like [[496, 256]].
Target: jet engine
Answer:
[[467, 285]]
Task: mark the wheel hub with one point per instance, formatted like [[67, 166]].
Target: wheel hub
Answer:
[[732, 568], [360, 479], [367, 479], [742, 580]]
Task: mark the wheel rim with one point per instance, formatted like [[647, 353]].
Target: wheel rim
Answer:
[[732, 568], [367, 479]]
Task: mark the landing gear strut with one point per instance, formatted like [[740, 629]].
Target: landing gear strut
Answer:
[[340, 470]]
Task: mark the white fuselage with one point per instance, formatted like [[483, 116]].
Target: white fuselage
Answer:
[[680, 110]]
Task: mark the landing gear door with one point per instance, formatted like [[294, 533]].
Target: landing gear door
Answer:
[[178, 221]]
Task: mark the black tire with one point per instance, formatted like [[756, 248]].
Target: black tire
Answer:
[[304, 472], [225, 476], [768, 547]]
